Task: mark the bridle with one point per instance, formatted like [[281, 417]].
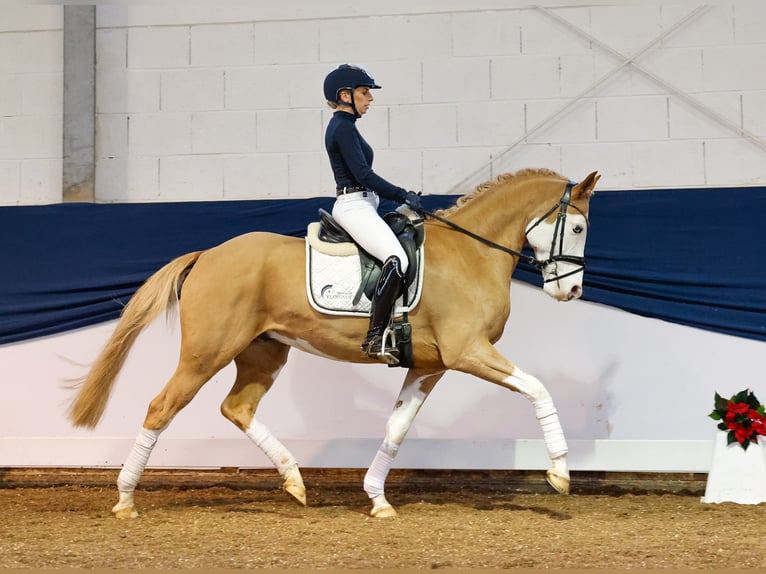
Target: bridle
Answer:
[[558, 237]]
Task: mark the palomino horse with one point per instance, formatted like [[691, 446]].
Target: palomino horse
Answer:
[[261, 309]]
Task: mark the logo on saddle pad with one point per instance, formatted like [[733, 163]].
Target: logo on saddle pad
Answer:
[[340, 277]]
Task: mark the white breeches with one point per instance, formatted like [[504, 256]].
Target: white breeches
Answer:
[[358, 215]]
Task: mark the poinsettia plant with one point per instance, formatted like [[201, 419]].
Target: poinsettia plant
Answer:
[[742, 416]]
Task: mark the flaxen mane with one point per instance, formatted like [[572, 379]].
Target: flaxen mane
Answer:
[[500, 179]]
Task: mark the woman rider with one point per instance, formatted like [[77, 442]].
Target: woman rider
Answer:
[[347, 90]]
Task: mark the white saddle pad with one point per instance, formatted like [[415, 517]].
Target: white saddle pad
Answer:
[[334, 274]]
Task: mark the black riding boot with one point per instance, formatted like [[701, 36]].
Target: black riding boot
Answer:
[[386, 292]]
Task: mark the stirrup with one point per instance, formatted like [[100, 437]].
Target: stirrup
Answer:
[[374, 347]]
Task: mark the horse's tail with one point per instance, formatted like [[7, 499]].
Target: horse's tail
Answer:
[[159, 293]]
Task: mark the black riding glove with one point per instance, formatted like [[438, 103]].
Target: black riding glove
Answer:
[[413, 200]]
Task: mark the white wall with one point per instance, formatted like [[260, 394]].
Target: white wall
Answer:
[[31, 99], [633, 394], [223, 102]]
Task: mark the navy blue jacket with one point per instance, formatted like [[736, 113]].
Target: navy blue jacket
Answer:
[[351, 158]]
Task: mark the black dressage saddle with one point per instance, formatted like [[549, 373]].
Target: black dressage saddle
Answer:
[[410, 233]]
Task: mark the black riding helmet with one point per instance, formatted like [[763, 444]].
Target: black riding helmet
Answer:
[[347, 77]]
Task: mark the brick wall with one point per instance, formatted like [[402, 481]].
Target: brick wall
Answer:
[[224, 101]]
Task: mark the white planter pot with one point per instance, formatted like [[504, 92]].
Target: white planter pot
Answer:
[[736, 475]]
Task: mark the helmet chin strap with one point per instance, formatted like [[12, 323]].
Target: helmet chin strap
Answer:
[[352, 105]]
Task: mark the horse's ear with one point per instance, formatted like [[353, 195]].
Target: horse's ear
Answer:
[[585, 188]]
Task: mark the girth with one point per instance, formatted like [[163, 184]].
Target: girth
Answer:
[[409, 232]]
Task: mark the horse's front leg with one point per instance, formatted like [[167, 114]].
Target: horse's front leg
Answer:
[[416, 388], [485, 362]]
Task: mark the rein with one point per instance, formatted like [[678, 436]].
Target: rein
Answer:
[[558, 233]]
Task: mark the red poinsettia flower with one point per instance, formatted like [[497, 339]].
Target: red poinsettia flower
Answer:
[[738, 408], [742, 416]]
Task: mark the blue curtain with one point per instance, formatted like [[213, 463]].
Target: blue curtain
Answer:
[[688, 256]]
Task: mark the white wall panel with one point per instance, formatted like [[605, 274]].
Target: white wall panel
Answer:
[[576, 125], [131, 179], [614, 161], [489, 123], [733, 159], [650, 161], [444, 169], [11, 90], [639, 118], [286, 42], [308, 176], [223, 132], [434, 125], [190, 90], [40, 181], [158, 47], [289, 130], [456, 80], [486, 33], [160, 134], [689, 122], [716, 26], [264, 175], [525, 77], [734, 67], [222, 45], [606, 370], [111, 48], [159, 60], [542, 35], [626, 27], [753, 116], [10, 180], [112, 135], [194, 178], [32, 136]]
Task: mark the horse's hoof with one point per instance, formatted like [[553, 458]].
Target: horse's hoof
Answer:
[[558, 482], [386, 511], [125, 512], [297, 491]]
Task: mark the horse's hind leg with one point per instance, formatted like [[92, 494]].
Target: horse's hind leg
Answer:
[[179, 390], [257, 368], [416, 388]]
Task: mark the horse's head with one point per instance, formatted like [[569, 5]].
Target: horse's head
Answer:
[[558, 239]]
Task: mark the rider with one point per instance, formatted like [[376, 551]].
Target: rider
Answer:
[[347, 90]]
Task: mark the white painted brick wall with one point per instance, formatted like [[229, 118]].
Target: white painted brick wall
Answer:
[[31, 96], [202, 91], [165, 47], [222, 45], [193, 89]]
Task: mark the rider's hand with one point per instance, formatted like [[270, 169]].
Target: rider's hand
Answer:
[[414, 201]]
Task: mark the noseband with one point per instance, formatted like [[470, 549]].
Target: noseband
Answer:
[[558, 237]]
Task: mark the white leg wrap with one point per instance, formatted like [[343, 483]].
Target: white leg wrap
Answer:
[[275, 450], [136, 463], [375, 479], [552, 431]]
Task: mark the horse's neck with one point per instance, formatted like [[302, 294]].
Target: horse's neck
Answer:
[[498, 215]]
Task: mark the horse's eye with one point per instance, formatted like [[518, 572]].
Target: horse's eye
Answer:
[[577, 229]]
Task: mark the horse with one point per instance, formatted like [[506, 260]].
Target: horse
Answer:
[[261, 310]]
